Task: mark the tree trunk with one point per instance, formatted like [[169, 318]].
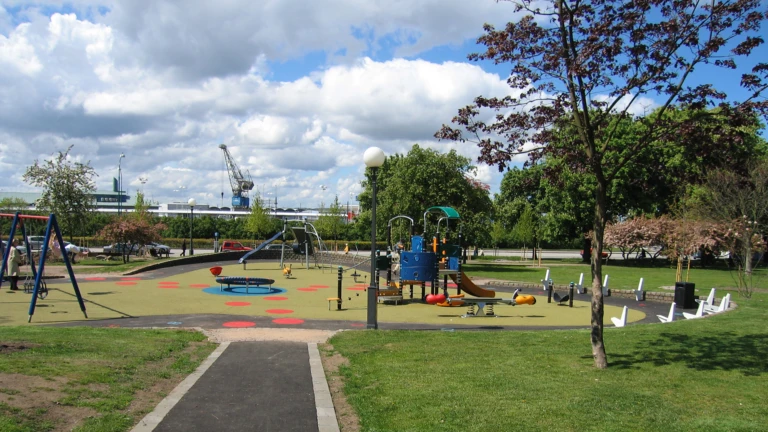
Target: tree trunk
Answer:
[[598, 311], [585, 255], [747, 254]]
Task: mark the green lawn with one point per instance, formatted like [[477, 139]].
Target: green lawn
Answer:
[[620, 277], [116, 265], [106, 375], [709, 374]]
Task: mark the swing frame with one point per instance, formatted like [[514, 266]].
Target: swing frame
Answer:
[[51, 228]]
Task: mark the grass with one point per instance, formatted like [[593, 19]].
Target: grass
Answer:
[[708, 374], [91, 266], [620, 276], [94, 368]]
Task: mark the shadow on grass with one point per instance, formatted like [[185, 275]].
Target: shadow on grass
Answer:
[[725, 351]]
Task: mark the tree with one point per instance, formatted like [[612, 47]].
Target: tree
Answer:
[[259, 222], [141, 208], [526, 229], [499, 234], [131, 230], [409, 184], [331, 222], [67, 190], [585, 64], [740, 203]]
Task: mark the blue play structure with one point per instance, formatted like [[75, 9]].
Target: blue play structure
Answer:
[[423, 262], [39, 289]]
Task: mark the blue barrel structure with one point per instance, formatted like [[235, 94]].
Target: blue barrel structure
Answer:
[[417, 244], [417, 266]]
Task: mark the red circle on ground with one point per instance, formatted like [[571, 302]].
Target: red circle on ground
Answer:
[[358, 324], [95, 278], [276, 298], [199, 285], [130, 278], [167, 283], [288, 321], [237, 304], [125, 283], [279, 311], [239, 324], [318, 286], [306, 289], [356, 289]]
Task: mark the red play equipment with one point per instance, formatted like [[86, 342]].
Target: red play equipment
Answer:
[[52, 227]]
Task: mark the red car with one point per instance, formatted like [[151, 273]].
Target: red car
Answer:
[[229, 245]]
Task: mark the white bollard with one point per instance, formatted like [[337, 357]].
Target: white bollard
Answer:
[[580, 287], [605, 286], [639, 292], [546, 282]]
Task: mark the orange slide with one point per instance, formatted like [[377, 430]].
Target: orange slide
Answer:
[[469, 287]]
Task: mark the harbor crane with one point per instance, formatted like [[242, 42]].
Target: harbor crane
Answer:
[[241, 184]]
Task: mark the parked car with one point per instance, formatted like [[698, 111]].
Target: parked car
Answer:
[[158, 249], [229, 245], [121, 248], [36, 242], [276, 247]]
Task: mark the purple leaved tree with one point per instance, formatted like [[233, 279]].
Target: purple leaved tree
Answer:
[[586, 66]]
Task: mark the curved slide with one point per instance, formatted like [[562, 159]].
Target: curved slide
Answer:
[[261, 246], [469, 287]]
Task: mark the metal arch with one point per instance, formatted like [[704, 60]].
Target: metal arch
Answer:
[[449, 212]]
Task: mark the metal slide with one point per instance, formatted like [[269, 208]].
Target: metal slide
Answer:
[[469, 287], [260, 247]]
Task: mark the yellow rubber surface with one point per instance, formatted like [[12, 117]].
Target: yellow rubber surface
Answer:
[[306, 294]]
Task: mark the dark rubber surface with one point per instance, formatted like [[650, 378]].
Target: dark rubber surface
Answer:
[[253, 386]]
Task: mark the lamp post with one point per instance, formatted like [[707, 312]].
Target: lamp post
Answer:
[[374, 158], [191, 203], [120, 183]]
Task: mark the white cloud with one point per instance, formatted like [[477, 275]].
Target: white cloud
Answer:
[[166, 83], [17, 52]]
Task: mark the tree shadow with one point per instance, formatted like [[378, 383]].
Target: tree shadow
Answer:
[[727, 351]]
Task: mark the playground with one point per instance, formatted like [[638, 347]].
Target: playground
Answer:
[[186, 290], [423, 285]]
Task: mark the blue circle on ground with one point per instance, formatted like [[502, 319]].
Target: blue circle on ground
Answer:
[[243, 291]]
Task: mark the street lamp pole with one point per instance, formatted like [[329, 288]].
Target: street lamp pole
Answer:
[[120, 183], [374, 158], [192, 204]]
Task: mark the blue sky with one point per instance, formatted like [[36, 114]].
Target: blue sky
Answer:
[[296, 93]]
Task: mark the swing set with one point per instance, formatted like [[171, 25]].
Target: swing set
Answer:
[[39, 289]]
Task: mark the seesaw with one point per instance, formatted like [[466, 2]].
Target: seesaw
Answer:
[[481, 303]]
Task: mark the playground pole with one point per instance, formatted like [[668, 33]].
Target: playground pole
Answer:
[[374, 158]]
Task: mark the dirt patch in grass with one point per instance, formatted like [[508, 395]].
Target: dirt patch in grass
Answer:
[[345, 414], [37, 399], [12, 347]]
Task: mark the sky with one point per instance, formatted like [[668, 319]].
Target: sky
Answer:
[[297, 91]]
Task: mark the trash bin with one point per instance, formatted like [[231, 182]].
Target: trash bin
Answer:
[[684, 295]]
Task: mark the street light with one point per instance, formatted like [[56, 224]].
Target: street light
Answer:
[[374, 158], [120, 183], [191, 203]]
